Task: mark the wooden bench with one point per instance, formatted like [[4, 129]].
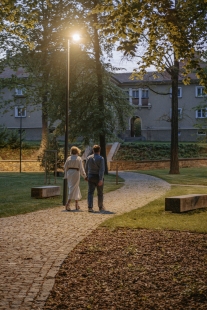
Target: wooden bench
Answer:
[[45, 191], [184, 203]]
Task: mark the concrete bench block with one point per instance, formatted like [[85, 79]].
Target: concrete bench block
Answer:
[[45, 191], [178, 204]]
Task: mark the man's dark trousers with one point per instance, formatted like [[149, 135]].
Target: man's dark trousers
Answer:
[[93, 180]]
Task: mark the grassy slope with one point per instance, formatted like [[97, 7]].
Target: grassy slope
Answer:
[[158, 151]]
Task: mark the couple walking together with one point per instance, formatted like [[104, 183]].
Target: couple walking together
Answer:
[[93, 173]]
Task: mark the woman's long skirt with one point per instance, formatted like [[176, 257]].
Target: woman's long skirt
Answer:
[[73, 179]]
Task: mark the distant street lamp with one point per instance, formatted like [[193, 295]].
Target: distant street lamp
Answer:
[[75, 37]]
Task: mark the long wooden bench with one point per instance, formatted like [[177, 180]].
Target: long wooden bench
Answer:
[[184, 203], [45, 191]]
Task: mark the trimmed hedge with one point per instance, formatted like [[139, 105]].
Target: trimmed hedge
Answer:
[[158, 151]]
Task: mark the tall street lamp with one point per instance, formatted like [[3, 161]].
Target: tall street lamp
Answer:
[[75, 37], [20, 139]]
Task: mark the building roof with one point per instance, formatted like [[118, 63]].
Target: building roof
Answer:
[[151, 77]]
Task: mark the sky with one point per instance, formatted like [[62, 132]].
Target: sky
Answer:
[[119, 62], [127, 65]]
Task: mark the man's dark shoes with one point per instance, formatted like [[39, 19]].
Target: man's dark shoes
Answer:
[[102, 209], [90, 209]]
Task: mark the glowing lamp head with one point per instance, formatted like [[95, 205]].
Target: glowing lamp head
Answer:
[[76, 37]]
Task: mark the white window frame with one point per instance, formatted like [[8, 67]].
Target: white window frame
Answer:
[[137, 91], [17, 111], [201, 132], [199, 92], [180, 92], [19, 91], [201, 113], [147, 91], [180, 113]]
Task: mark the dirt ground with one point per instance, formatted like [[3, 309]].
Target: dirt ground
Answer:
[[133, 269]]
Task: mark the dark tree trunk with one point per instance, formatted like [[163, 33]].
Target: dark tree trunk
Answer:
[[44, 139], [103, 150], [174, 161], [102, 137], [45, 75]]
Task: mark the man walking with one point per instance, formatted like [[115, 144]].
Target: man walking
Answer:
[[95, 168]]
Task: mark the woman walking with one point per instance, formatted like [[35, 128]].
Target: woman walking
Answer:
[[73, 168]]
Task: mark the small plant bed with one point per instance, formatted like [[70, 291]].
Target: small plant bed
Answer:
[[158, 151]]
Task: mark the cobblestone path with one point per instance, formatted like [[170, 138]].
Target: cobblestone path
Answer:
[[33, 246]]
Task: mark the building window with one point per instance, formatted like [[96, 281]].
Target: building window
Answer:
[[135, 96], [126, 93], [201, 132], [19, 91], [201, 113], [199, 91], [20, 111], [180, 113], [179, 92], [145, 97], [140, 96], [135, 93], [145, 93]]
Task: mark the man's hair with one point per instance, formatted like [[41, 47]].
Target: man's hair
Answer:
[[96, 148]]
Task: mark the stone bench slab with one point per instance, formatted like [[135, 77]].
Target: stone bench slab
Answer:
[[184, 203], [45, 191]]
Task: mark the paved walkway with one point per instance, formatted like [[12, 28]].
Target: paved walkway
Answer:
[[33, 246]]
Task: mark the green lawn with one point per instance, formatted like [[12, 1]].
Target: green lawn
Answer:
[[15, 192], [15, 198], [187, 176], [153, 215]]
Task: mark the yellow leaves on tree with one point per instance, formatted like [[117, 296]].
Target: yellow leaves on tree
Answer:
[[15, 15], [160, 29]]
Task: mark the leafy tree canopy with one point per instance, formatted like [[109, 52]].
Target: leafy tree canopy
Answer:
[[160, 29], [15, 16], [45, 72]]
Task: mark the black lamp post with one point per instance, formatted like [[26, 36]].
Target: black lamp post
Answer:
[[20, 141], [66, 121], [75, 38]]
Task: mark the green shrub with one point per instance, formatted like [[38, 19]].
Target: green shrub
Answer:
[[13, 139], [158, 151], [3, 136]]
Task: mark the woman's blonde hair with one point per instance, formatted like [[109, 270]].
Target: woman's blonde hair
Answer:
[[75, 150]]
